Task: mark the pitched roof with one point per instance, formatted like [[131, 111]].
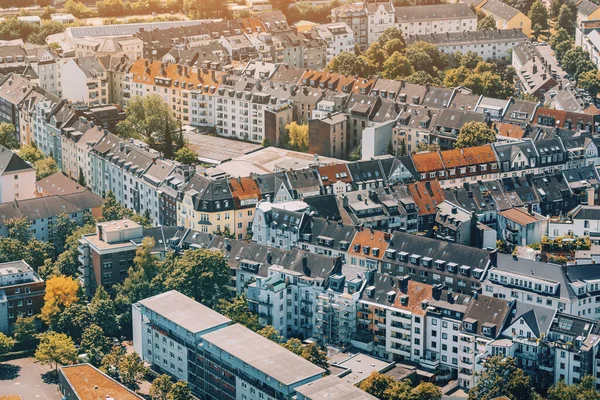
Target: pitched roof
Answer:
[[520, 216], [433, 12], [468, 156], [57, 183], [10, 162], [428, 162], [427, 196], [368, 240], [500, 9]]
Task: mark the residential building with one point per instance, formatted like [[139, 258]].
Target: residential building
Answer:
[[21, 293], [57, 183], [381, 16], [506, 17], [326, 136], [84, 381], [489, 44], [246, 195], [279, 224], [331, 387], [587, 11], [130, 46], [581, 221], [517, 227], [62, 18], [84, 80], [432, 19], [14, 89], [354, 15], [17, 178], [338, 37]]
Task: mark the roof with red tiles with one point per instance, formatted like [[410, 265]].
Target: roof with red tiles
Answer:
[[426, 195], [173, 75], [369, 240], [417, 292], [244, 189], [468, 156], [339, 82], [562, 116], [509, 130], [428, 162], [333, 173]]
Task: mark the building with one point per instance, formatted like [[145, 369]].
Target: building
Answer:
[[338, 37], [326, 136], [57, 183], [506, 17], [517, 227], [587, 11], [62, 18], [17, 178], [131, 47], [333, 388], [354, 15], [582, 221], [489, 44], [381, 16], [432, 19], [21, 293], [13, 90], [86, 382], [85, 80]]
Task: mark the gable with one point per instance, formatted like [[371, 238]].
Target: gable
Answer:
[[521, 328]]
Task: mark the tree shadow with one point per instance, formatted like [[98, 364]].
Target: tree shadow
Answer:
[[50, 377], [9, 372]]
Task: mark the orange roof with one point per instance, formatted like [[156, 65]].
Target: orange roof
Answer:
[[509, 130], [468, 156], [519, 216], [417, 292], [426, 195], [195, 78], [333, 173], [428, 162], [333, 81], [592, 109], [244, 188], [253, 24], [374, 239], [88, 382], [561, 116]]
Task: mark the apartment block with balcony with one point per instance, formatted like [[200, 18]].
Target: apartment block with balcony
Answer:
[[85, 80], [517, 227], [21, 293], [355, 16], [339, 38]]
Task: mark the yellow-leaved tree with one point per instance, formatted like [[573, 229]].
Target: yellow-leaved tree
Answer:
[[297, 136], [61, 292]]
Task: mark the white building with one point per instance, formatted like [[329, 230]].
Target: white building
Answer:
[[381, 16], [278, 225], [582, 221], [84, 80], [438, 18], [17, 178], [338, 36]]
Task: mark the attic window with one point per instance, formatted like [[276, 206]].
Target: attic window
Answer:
[[402, 256], [414, 259], [452, 267], [375, 252], [390, 253], [390, 295], [439, 264], [357, 248], [366, 249], [426, 261]]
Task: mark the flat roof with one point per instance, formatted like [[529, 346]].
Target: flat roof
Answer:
[[261, 353], [360, 366], [184, 311], [215, 150], [332, 388], [91, 384], [117, 225]]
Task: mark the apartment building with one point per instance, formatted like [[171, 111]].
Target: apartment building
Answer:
[[131, 47], [506, 17], [85, 80], [517, 227], [13, 90], [338, 37], [77, 141], [381, 16], [279, 224], [581, 221], [21, 293], [432, 19], [17, 178], [326, 135], [354, 15]]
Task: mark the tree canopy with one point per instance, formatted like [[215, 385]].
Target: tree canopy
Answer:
[[56, 349], [474, 134], [501, 377], [297, 136], [61, 292], [8, 135]]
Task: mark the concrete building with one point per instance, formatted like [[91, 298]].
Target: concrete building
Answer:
[[519, 228], [381, 16], [21, 293], [432, 19], [84, 381], [354, 15], [17, 178], [506, 17], [84, 80], [339, 38], [326, 136]]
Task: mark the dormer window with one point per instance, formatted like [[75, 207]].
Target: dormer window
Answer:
[[426, 261], [357, 248], [366, 249], [451, 267], [390, 296], [390, 253], [465, 270], [375, 252], [440, 264], [402, 256], [414, 259]]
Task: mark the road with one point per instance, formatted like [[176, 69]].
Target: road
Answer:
[[24, 377]]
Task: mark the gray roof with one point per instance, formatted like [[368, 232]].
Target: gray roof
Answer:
[[586, 212], [538, 318], [125, 29], [263, 354], [488, 311], [586, 7], [466, 37], [49, 206], [332, 388], [499, 9], [10, 162], [433, 12], [184, 311], [455, 119]]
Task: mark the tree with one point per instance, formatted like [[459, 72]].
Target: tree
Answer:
[[576, 61], [470, 59], [201, 274], [281, 5], [394, 45], [95, 344], [422, 78], [31, 153], [19, 228], [67, 263], [24, 329], [474, 134], [397, 66], [355, 154], [560, 35], [6, 344], [501, 377], [584, 390], [186, 156], [206, 9], [110, 362], [403, 147], [111, 210], [73, 321], [425, 57], [81, 179], [376, 56], [131, 370], [376, 384], [102, 312], [315, 355], [239, 312], [62, 228], [45, 167], [76, 8], [538, 14], [161, 387], [55, 348], [390, 148], [144, 219], [426, 391], [590, 81], [271, 333], [566, 19], [8, 136], [61, 292], [297, 136], [488, 23], [294, 345], [390, 34], [349, 64], [33, 252], [179, 391]]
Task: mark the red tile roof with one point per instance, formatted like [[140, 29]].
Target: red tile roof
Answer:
[[331, 174], [468, 156], [428, 162], [426, 195], [337, 80], [509, 130], [374, 239], [195, 76], [243, 189]]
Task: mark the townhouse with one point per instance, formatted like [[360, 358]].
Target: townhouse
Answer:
[[85, 80], [338, 37], [380, 16], [17, 178], [14, 89], [354, 15], [432, 19], [76, 142]]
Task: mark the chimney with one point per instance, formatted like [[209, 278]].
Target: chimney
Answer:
[[403, 283], [590, 195], [269, 257], [493, 257], [449, 297], [305, 268]]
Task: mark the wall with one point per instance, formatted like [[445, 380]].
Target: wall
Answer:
[[375, 139]]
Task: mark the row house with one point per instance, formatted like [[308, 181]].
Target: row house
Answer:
[[14, 89], [85, 80], [381, 16], [438, 18], [354, 15], [76, 142]]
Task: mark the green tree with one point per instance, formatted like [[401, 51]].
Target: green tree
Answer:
[[560, 35], [376, 56], [201, 274], [33, 252], [62, 228], [24, 328], [94, 344], [67, 263], [281, 5], [566, 19], [422, 78], [376, 384], [501, 377], [396, 66], [74, 320], [31, 153], [110, 362], [297, 136], [426, 391], [425, 57], [81, 179], [161, 387], [111, 210], [403, 148], [394, 45], [76, 8], [61, 292], [488, 23], [55, 348], [144, 219], [294, 345], [470, 59], [590, 81], [349, 64], [45, 167], [391, 34], [8, 136], [315, 355], [102, 312], [239, 312], [19, 228], [206, 9], [576, 61], [584, 390], [186, 156], [6, 344], [356, 153], [179, 391], [390, 148], [538, 14], [474, 134], [131, 370], [271, 333]]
